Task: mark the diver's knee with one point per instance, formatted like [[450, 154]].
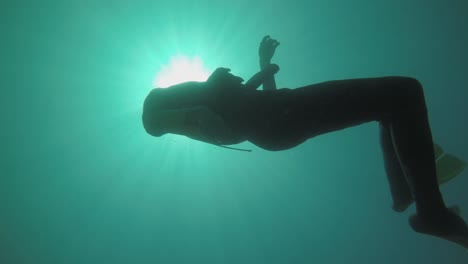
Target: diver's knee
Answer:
[[413, 86], [404, 88], [411, 93]]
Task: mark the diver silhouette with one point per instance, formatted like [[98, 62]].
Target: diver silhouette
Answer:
[[224, 111]]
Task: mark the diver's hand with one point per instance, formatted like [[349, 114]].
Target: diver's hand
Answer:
[[222, 77], [260, 77], [267, 49]]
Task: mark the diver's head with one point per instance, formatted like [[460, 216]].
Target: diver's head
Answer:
[[159, 109], [153, 126], [151, 113]]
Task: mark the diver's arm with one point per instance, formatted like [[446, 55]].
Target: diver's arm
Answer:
[[263, 77], [269, 82], [265, 52]]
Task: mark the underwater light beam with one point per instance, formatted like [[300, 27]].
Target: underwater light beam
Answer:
[[181, 69]]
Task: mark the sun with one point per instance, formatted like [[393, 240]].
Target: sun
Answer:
[[181, 69]]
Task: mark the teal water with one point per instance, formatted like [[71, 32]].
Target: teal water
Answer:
[[81, 181]]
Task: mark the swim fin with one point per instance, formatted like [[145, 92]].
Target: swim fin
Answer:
[[448, 166]]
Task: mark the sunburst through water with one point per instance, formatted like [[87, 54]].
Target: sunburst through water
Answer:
[[181, 69]]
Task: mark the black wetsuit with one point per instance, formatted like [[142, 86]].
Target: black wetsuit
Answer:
[[282, 119]]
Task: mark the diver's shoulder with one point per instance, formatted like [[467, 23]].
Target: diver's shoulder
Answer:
[[180, 86], [188, 84]]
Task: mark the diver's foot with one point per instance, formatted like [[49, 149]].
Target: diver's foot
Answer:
[[402, 200], [447, 225], [401, 206]]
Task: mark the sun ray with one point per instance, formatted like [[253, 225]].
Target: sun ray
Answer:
[[181, 69]]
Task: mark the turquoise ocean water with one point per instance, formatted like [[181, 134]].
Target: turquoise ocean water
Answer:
[[82, 183]]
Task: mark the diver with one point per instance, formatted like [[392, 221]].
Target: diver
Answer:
[[225, 111]]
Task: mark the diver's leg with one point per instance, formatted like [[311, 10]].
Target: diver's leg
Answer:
[[399, 101], [401, 193], [336, 105], [412, 140], [413, 143]]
